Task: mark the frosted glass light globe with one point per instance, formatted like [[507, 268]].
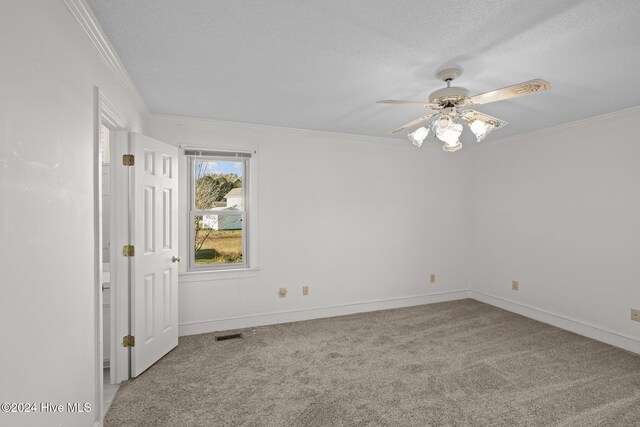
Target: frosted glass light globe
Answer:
[[418, 136]]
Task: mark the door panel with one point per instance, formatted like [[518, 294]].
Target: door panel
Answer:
[[155, 276]]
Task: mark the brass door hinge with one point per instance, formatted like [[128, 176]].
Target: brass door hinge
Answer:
[[128, 159], [129, 341], [128, 250]]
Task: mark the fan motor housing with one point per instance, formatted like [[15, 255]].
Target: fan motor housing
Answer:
[[450, 95]]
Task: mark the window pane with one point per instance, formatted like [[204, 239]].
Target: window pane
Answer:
[[218, 184], [218, 238]]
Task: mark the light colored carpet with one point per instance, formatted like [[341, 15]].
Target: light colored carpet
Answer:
[[452, 363]]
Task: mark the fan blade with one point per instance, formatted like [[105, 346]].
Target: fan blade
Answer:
[[413, 123], [471, 115], [416, 104], [513, 91]]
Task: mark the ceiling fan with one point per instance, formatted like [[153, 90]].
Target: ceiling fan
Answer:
[[450, 103]]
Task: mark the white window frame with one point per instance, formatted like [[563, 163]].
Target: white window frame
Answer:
[[245, 213]]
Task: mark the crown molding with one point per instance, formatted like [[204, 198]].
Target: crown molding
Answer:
[[176, 119], [89, 24], [558, 128]]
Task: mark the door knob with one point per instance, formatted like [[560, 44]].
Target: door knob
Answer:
[[175, 259]]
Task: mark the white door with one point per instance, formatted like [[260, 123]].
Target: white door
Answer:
[[154, 292]]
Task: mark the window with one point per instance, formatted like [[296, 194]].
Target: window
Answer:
[[218, 210]]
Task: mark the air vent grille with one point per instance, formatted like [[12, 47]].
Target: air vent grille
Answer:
[[228, 337]]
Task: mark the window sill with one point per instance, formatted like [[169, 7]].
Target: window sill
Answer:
[[206, 276]]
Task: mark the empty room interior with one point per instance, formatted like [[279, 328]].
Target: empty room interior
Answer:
[[320, 213]]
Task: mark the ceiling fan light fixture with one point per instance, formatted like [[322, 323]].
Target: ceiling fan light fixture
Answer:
[[418, 136], [450, 136], [480, 129], [443, 123], [450, 105]]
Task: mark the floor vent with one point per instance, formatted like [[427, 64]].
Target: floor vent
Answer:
[[228, 337]]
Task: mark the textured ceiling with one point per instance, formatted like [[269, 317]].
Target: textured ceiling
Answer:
[[322, 64]]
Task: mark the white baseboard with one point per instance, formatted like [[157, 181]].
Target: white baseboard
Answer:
[[576, 326], [240, 322]]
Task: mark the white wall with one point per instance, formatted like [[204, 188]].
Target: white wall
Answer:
[[49, 69], [372, 219], [559, 210]]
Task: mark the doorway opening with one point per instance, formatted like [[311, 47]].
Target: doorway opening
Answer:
[[111, 283], [109, 384]]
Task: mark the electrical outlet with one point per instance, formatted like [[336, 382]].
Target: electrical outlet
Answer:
[[514, 285], [635, 314], [282, 292], [432, 278], [305, 290]]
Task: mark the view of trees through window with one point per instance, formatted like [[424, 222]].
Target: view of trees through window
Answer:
[[218, 220]]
